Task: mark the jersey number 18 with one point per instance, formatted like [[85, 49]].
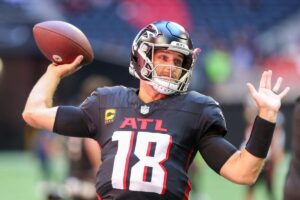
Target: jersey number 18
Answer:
[[138, 176]]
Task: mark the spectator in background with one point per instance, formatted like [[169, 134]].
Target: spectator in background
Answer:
[[217, 68], [292, 183], [84, 153], [242, 54], [276, 151], [84, 161], [218, 63]]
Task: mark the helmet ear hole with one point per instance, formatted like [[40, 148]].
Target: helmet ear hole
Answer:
[[145, 72]]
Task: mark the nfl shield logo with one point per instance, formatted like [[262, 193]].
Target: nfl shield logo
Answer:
[[145, 109]]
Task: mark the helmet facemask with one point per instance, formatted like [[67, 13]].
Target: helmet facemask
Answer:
[[166, 83]]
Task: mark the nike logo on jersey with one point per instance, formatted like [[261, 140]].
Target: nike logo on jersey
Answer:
[[143, 124]]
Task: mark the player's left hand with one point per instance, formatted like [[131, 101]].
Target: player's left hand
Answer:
[[268, 99]]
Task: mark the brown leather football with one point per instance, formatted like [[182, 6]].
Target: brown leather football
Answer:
[[62, 42]]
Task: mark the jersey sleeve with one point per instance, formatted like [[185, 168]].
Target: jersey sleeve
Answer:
[[91, 109], [69, 121], [212, 145], [213, 120], [78, 121], [216, 150]]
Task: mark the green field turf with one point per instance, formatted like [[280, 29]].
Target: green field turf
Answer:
[[20, 180]]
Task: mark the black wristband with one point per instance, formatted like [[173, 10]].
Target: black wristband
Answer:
[[260, 138]]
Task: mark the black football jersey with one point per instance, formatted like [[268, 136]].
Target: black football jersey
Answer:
[[148, 148]]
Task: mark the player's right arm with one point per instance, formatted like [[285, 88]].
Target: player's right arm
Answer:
[[39, 111]]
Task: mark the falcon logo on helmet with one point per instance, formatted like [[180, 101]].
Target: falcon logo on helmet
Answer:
[[162, 35]]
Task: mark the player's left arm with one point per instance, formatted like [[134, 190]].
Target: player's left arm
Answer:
[[244, 166]]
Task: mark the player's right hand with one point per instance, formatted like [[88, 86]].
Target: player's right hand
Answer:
[[65, 69]]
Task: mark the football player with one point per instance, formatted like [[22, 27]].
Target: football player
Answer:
[[292, 183], [150, 135]]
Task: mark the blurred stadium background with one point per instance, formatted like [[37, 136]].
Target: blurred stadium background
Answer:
[[238, 38]]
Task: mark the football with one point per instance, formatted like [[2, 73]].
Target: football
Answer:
[[61, 42]]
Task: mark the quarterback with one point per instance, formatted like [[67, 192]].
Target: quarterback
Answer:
[[150, 135]]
